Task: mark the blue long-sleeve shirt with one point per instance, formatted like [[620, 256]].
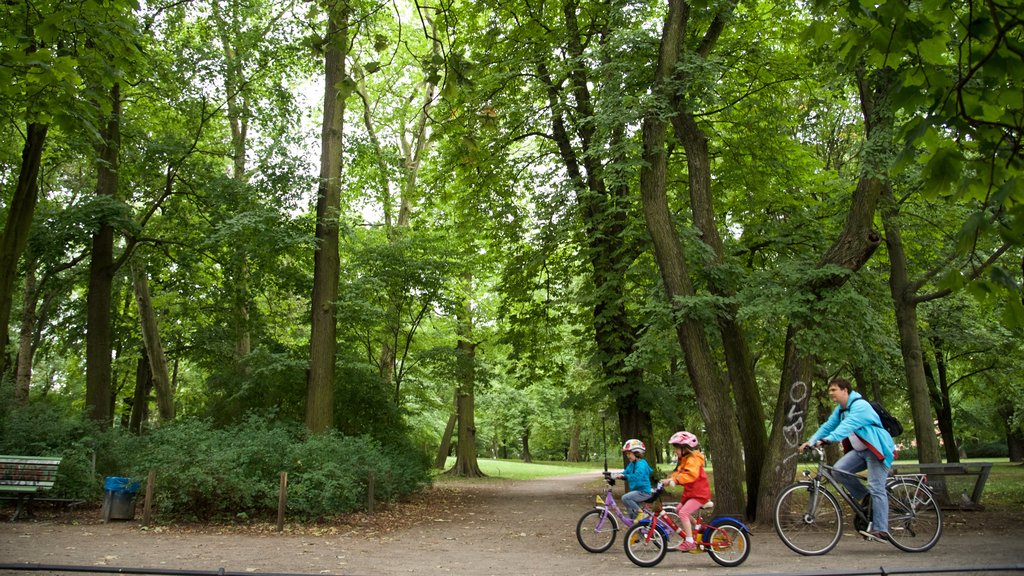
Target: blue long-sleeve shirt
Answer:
[[638, 474]]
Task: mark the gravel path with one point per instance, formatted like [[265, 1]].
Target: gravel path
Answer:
[[483, 527]]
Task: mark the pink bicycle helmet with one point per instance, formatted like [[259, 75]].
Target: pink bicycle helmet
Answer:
[[683, 438], [634, 445]]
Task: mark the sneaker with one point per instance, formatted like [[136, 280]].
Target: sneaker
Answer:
[[875, 535], [685, 546], [879, 535]]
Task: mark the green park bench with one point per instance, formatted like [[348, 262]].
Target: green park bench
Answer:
[[24, 477]]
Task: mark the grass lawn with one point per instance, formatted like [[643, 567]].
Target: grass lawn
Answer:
[[1004, 489]]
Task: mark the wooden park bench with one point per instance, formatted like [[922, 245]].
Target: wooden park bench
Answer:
[[942, 478], [24, 477]]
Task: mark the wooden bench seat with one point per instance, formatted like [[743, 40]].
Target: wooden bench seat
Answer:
[[941, 477], [24, 477]]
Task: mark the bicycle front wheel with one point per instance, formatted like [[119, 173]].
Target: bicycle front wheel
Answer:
[[728, 543], [808, 519], [915, 521], [596, 530], [645, 545]]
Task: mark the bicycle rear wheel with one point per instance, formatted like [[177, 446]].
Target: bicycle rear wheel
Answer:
[[727, 542], [596, 530], [915, 521], [806, 527], [645, 545]]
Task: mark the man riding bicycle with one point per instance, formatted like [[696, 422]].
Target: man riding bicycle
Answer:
[[867, 446]]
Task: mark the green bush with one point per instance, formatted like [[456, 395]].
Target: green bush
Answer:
[[42, 429], [205, 473]]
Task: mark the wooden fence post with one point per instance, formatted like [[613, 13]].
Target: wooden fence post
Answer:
[[282, 501], [147, 506], [369, 492]]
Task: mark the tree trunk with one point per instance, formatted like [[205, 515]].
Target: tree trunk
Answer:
[[851, 250], [602, 210], [465, 374], [572, 454], [153, 346], [1014, 434], [326, 265], [20, 212], [713, 401], [750, 415], [525, 455], [235, 89], [446, 440], [902, 292], [140, 401], [99, 332], [23, 369], [938, 389]]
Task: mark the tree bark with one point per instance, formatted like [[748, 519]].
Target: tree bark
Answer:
[[20, 213], [851, 250], [140, 401], [465, 375], [151, 340], [23, 369], [602, 209], [739, 362], [99, 332], [712, 394], [446, 440], [902, 291], [326, 265]]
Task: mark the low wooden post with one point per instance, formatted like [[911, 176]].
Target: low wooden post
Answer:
[[369, 492], [282, 501], [147, 506]]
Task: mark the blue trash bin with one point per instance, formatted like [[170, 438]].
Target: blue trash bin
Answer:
[[119, 498]]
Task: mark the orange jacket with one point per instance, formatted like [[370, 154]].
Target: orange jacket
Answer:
[[690, 474]]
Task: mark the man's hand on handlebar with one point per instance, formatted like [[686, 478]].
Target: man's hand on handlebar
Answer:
[[807, 445]]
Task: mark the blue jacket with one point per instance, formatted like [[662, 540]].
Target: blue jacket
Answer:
[[638, 474], [858, 418]]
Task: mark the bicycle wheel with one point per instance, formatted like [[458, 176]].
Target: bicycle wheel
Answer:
[[727, 542], [643, 550], [806, 527], [596, 530], [915, 521]]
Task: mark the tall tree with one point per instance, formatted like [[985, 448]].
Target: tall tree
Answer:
[[326, 264], [102, 267], [712, 394]]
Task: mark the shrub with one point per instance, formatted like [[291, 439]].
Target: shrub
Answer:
[[205, 472]]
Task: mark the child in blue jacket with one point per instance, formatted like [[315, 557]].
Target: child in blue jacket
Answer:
[[637, 474]]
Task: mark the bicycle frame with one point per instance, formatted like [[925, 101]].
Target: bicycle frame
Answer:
[[828, 472], [667, 526], [610, 504]]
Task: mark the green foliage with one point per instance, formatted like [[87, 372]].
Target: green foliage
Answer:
[[45, 429], [205, 472]]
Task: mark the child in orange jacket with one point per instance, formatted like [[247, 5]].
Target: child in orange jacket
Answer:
[[689, 473]]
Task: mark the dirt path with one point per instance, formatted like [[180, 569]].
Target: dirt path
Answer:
[[471, 528]]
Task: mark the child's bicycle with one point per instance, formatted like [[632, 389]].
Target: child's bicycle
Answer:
[[725, 539], [597, 528]]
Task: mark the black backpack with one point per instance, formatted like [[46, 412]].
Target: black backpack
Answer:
[[889, 422]]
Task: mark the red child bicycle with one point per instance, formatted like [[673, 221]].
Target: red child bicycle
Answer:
[[725, 539]]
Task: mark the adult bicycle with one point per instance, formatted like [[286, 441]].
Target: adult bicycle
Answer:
[[809, 518], [596, 529]]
